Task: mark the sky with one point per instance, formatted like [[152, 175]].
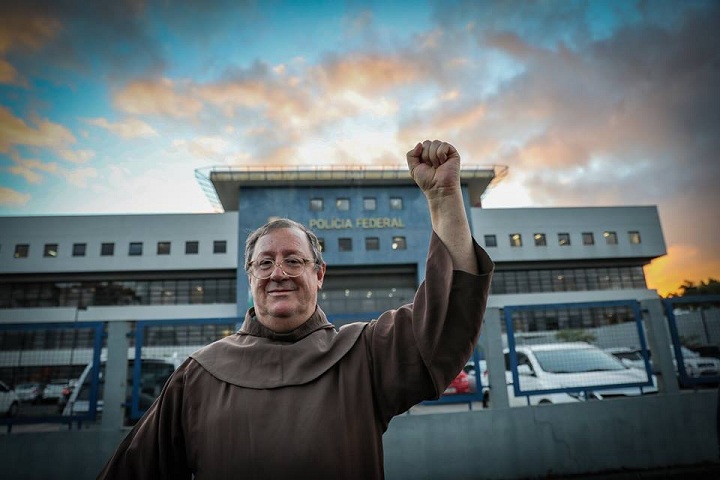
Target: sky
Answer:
[[110, 107]]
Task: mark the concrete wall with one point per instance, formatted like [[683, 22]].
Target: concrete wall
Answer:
[[528, 442]]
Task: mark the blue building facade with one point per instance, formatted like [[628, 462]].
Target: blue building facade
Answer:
[[374, 239]]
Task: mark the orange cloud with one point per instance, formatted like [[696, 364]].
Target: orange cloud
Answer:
[[368, 74], [11, 197], [127, 129], [14, 131], [156, 97], [22, 29]]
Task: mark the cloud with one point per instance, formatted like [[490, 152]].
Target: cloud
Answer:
[[76, 156], [79, 177], [214, 148], [13, 198], [156, 97], [15, 131], [8, 73], [126, 129], [365, 73]]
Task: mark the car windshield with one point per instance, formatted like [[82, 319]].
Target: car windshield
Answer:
[[576, 360], [687, 353]]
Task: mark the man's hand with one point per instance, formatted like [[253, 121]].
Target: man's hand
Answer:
[[435, 167]]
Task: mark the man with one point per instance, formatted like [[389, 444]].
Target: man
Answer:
[[288, 396]]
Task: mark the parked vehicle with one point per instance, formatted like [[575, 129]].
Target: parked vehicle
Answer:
[[154, 374], [52, 393], [577, 365], [30, 392], [459, 385], [544, 399], [9, 401], [696, 366]]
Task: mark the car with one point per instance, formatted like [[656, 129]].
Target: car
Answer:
[[696, 366], [52, 393], [460, 384], [515, 401], [154, 374], [9, 401], [30, 392], [589, 370]]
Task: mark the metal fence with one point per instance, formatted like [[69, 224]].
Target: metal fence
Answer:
[[580, 357], [553, 353], [41, 362], [694, 323]]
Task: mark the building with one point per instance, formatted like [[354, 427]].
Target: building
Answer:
[[374, 227]]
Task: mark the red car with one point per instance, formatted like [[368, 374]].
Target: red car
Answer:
[[459, 385]]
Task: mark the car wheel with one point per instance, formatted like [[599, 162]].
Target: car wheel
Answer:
[[544, 401], [486, 400], [13, 410]]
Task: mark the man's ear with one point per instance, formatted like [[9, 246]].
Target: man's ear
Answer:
[[321, 275]]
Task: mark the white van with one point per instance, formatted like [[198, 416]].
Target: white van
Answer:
[[154, 372]]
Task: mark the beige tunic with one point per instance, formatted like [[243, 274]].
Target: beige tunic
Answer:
[[312, 403]]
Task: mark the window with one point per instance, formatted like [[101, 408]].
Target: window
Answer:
[[51, 250], [490, 241], [79, 249], [634, 237], [588, 238], [398, 243], [540, 240], [342, 204], [163, 248], [564, 239], [610, 238], [192, 247], [345, 244], [135, 248], [396, 203], [369, 203], [316, 205], [107, 249], [219, 246], [515, 240], [22, 250], [372, 243]]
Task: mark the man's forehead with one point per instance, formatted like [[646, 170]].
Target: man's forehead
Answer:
[[283, 240]]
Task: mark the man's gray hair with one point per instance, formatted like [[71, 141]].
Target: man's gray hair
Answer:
[[277, 224]]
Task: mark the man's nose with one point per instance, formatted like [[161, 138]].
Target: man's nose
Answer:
[[277, 272]]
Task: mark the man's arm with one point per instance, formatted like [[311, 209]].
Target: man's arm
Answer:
[[435, 167]]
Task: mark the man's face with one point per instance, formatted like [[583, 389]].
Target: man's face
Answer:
[[283, 303]]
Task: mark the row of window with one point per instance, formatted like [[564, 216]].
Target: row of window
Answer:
[[83, 337], [567, 280], [345, 244], [52, 250], [563, 239], [112, 293], [342, 204], [569, 318]]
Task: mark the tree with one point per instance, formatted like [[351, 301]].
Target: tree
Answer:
[[688, 288], [575, 335]]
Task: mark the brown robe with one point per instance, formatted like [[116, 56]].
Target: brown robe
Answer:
[[311, 403]]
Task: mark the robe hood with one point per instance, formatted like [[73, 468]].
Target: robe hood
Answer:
[[257, 357]]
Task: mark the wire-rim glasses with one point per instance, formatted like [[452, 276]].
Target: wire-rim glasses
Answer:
[[290, 266]]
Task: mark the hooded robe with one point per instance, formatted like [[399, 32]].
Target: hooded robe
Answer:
[[313, 402]]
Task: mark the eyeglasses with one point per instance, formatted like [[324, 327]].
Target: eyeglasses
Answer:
[[290, 266]]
